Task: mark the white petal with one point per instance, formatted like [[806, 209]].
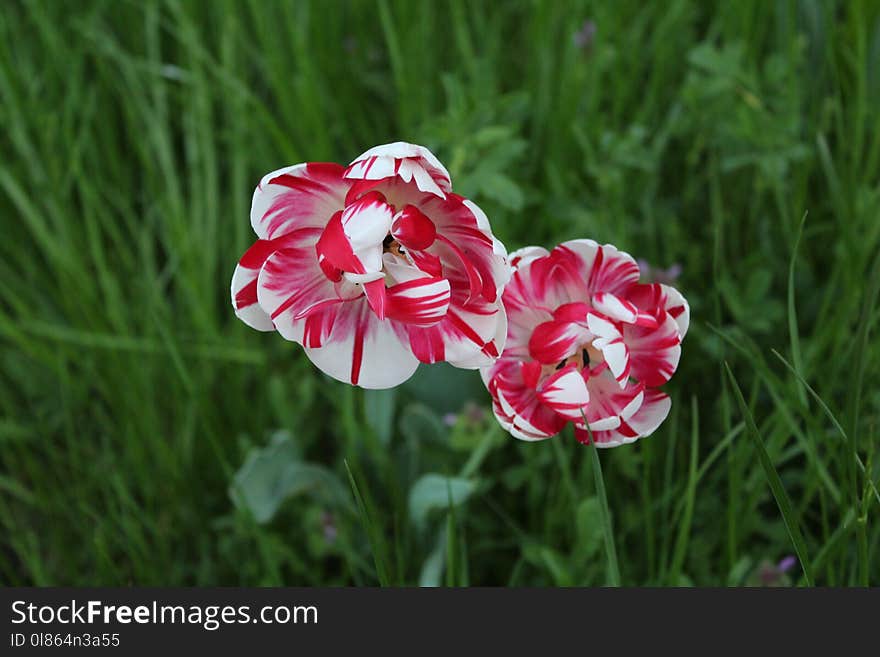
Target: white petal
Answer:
[[251, 314], [362, 347]]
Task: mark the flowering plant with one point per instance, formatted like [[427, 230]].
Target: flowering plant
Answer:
[[374, 267], [587, 344]]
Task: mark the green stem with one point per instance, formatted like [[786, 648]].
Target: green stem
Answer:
[[610, 549]]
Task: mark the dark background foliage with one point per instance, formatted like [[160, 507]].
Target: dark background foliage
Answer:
[[148, 437]]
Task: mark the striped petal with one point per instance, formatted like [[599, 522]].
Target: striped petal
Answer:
[[244, 278], [413, 229], [359, 348], [651, 414], [609, 340], [656, 297], [352, 240], [518, 403], [409, 162], [422, 302], [554, 341], [610, 404], [600, 268], [522, 257], [301, 196], [654, 352], [467, 337], [291, 284], [566, 393]]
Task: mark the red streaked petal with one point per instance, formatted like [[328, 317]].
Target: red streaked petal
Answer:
[[572, 312], [334, 250], [552, 342], [358, 348], [566, 393], [366, 223], [301, 196], [598, 268], [522, 257], [244, 279], [377, 297], [518, 402], [614, 307], [244, 300], [609, 403], [609, 340], [289, 284], [652, 299], [427, 262], [641, 424], [472, 336], [413, 229], [409, 162], [474, 283], [654, 352], [422, 301]]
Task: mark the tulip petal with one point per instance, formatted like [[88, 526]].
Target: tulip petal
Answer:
[[554, 341], [609, 404], [290, 284], [413, 229], [422, 302], [301, 196], [526, 416], [654, 352], [361, 349], [522, 257], [244, 278], [469, 337], [566, 393], [600, 268], [656, 297], [614, 307], [409, 162], [609, 340], [641, 424]]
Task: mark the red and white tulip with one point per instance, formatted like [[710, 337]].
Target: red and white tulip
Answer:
[[586, 344], [374, 268]]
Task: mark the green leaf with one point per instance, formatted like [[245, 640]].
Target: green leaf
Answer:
[[782, 500], [588, 522], [379, 413], [431, 574], [418, 423], [434, 491], [274, 473], [608, 529]]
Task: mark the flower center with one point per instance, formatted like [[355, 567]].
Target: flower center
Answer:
[[392, 246], [586, 356]]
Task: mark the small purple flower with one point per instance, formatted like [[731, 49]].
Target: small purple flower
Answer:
[[328, 524], [786, 564], [475, 413], [658, 275], [450, 419], [583, 38]]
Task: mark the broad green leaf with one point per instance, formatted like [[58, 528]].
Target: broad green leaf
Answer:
[[434, 491], [275, 473], [379, 413]]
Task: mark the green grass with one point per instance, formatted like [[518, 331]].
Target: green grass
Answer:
[[148, 437]]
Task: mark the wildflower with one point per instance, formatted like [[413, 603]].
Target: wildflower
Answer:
[[658, 275], [768, 574], [587, 344], [374, 268], [583, 38]]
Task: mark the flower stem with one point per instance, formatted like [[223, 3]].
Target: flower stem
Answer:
[[610, 549]]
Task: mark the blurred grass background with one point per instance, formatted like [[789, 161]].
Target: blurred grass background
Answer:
[[148, 437]]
